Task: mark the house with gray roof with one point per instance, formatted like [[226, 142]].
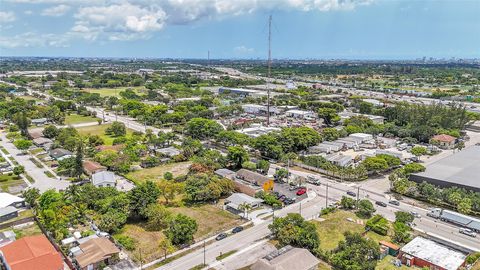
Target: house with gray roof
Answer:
[[104, 179]]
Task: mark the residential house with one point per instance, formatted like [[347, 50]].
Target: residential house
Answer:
[[225, 173], [168, 151], [60, 154], [104, 179], [255, 178], [35, 133], [7, 199], [7, 213], [287, 258], [444, 141], [41, 141], [96, 252], [39, 121], [31, 252], [236, 200], [91, 167], [7, 237]]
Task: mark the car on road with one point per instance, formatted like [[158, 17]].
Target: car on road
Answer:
[[301, 191], [397, 203], [221, 236], [382, 204], [351, 193], [288, 201], [415, 214], [467, 232], [237, 229], [282, 198]]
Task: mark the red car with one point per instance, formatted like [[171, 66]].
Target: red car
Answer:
[[301, 191]]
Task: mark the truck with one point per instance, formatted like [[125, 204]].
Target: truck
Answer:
[[455, 218]]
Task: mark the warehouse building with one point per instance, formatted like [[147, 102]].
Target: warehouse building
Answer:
[[460, 170]]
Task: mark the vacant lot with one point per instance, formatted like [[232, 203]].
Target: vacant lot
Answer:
[[100, 131], [73, 119], [211, 219], [105, 92], [146, 242], [331, 230], [156, 173], [11, 183]]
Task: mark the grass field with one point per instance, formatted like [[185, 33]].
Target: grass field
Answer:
[[146, 242], [210, 219], [156, 173], [7, 181], [386, 264], [100, 131], [106, 92], [331, 230], [73, 119]]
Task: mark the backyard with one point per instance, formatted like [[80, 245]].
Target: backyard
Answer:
[[11, 183], [100, 131], [331, 229], [156, 173], [73, 119]]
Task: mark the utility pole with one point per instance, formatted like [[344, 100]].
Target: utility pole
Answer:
[[358, 195], [204, 251], [300, 204], [269, 67], [326, 197]]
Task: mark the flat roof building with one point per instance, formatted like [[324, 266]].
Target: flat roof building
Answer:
[[460, 170], [423, 252]]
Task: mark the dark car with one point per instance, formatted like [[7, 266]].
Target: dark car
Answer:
[[351, 193], [397, 203], [382, 204], [288, 201], [221, 236], [282, 198], [237, 229]]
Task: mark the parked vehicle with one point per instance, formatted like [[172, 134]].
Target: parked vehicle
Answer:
[[314, 181], [288, 201], [382, 204], [221, 236], [415, 214], [467, 232], [237, 229], [293, 188], [282, 198], [351, 193], [397, 203], [455, 218], [301, 191]]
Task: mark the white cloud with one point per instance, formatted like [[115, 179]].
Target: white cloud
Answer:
[[243, 50], [56, 11], [139, 19], [28, 12], [31, 39], [6, 17]]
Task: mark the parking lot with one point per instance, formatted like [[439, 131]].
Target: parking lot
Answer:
[[284, 189]]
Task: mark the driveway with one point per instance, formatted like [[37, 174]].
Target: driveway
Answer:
[[42, 181]]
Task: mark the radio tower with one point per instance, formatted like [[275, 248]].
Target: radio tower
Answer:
[[269, 67]]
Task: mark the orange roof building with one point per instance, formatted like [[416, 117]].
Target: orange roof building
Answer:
[[444, 141], [31, 253], [90, 167]]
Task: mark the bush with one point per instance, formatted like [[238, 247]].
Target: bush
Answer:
[[377, 224], [126, 241]]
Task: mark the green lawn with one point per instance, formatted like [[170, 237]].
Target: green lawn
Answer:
[[105, 92], [156, 173], [100, 131], [7, 181], [211, 219], [386, 264], [331, 230], [73, 119]]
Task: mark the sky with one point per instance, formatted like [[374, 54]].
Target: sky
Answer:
[[238, 29]]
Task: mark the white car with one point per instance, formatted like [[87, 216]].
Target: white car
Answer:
[[467, 232]]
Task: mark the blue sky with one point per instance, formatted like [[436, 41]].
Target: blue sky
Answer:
[[316, 29]]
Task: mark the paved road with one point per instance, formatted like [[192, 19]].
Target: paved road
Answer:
[[240, 241], [425, 224], [42, 181]]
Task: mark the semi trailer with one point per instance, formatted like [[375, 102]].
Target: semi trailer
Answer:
[[455, 218]]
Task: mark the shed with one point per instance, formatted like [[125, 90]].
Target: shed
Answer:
[[392, 248]]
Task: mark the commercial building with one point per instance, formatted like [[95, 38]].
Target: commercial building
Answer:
[[300, 114], [31, 252], [287, 258], [255, 178], [424, 252], [460, 169], [257, 130], [236, 200]]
